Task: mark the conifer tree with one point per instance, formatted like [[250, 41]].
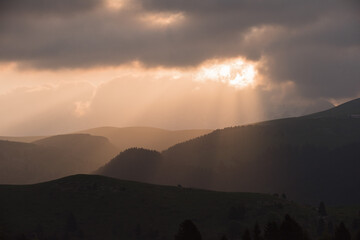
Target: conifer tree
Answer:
[[257, 232], [290, 229], [271, 231], [224, 237], [188, 231], [321, 227], [357, 236], [342, 233], [71, 223], [322, 209], [246, 235], [330, 227]]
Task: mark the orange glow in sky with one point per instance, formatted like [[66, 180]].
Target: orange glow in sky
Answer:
[[129, 95], [234, 72], [115, 4], [162, 19]]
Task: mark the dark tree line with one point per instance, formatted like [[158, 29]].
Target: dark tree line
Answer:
[[289, 229]]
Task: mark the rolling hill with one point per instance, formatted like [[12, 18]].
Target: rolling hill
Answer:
[[96, 207], [134, 164], [310, 158], [45, 158], [145, 137], [28, 139], [52, 157]]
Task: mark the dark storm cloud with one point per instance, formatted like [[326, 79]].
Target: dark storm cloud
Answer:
[[46, 7], [322, 59], [315, 44], [247, 12]]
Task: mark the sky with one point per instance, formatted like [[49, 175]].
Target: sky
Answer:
[[68, 65]]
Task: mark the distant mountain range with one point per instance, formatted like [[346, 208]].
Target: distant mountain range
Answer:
[[52, 157], [36, 159], [145, 137], [130, 137], [28, 139], [310, 158]]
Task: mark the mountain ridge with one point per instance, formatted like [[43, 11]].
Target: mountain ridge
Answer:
[[345, 110], [271, 156], [52, 158], [145, 137]]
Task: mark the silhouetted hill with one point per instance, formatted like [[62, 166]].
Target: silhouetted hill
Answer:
[[76, 142], [95, 207], [57, 156], [52, 158], [309, 158], [349, 109], [134, 164], [302, 157], [28, 139], [145, 137]]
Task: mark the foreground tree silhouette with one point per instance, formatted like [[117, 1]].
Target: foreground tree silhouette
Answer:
[[290, 229], [357, 237], [271, 231], [322, 209], [246, 235], [330, 227], [22, 237], [257, 232], [341, 233], [71, 223], [2, 234], [321, 227], [224, 237], [188, 231]]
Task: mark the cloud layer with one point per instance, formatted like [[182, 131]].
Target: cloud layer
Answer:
[[306, 53], [315, 44]]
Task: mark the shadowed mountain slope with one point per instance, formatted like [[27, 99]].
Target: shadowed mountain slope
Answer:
[[134, 164], [95, 207], [145, 137], [349, 109], [309, 158], [52, 157], [57, 156]]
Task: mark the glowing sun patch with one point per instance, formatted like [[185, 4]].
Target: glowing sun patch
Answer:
[[236, 73]]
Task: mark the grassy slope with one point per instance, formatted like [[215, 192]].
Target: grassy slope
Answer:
[[107, 208]]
